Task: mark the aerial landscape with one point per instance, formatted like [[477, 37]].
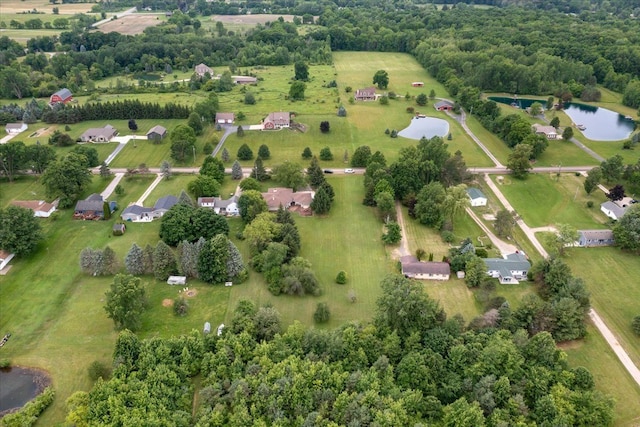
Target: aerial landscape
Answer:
[[320, 213]]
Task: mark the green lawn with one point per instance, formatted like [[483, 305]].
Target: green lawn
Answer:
[[22, 188], [544, 199], [610, 377]]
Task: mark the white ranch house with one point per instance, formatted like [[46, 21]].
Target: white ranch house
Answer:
[[510, 269], [415, 269], [477, 197]]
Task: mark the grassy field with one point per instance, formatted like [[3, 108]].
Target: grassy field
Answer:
[[610, 377], [544, 199]]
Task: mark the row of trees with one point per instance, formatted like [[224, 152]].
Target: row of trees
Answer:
[[410, 365], [116, 110]]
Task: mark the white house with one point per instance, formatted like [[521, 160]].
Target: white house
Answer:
[[548, 131], [136, 213], [228, 207], [592, 238], [40, 208], [477, 197], [510, 269], [15, 128], [616, 210], [415, 269], [5, 258]]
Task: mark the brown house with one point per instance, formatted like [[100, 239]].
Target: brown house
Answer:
[[287, 198], [415, 269], [277, 120], [366, 94], [225, 118]]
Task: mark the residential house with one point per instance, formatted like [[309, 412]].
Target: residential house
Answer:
[[225, 118], [444, 105], [228, 207], [137, 213], [592, 238], [40, 208], [92, 207], [510, 269], [277, 120], [477, 197], [157, 133], [415, 269], [163, 205], [15, 128], [286, 197], [366, 94], [548, 131], [616, 210], [63, 95], [202, 69], [417, 84], [244, 80], [5, 258], [104, 134]]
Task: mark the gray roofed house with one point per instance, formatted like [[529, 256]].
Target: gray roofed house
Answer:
[[103, 134], [244, 80], [157, 132], [15, 128], [136, 213], [202, 69], [415, 269], [616, 210], [444, 105], [163, 205], [510, 269], [591, 238], [90, 208], [548, 131], [477, 197]]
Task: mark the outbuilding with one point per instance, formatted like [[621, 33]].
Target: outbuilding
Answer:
[[177, 280], [477, 197], [15, 128]]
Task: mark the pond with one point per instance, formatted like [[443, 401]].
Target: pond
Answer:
[[600, 124], [19, 385], [426, 127], [595, 123]]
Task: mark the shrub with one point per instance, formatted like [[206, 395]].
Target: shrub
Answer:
[[322, 313], [448, 236], [306, 153], [180, 306], [590, 204], [207, 149], [341, 278], [325, 154], [635, 325], [97, 370], [410, 110], [245, 153], [28, 415], [482, 253], [394, 134], [5, 363]]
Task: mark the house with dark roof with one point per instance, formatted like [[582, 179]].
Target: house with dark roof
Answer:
[[477, 197], [15, 128], [277, 120], [616, 210], [365, 94], [103, 134], [40, 208], [594, 238], [137, 213], [548, 131], [415, 269], [63, 95], [510, 269], [163, 205], [92, 207], [287, 198], [157, 133], [202, 69], [444, 105], [225, 118]]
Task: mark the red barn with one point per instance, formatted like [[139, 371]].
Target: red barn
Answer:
[[63, 95]]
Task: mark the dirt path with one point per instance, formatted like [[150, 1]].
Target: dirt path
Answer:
[[404, 243]]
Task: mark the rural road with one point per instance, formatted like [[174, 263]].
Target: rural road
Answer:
[[112, 185], [117, 15], [149, 189], [404, 243]]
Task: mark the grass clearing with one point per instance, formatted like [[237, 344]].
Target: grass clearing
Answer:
[[545, 199], [22, 188]]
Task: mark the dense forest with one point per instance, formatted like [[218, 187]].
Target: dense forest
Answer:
[[410, 366]]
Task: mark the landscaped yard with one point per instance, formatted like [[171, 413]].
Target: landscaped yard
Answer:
[[545, 199]]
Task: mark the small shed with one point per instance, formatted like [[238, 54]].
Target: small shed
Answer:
[[477, 197], [207, 328], [417, 84], [220, 329], [119, 229], [177, 280]]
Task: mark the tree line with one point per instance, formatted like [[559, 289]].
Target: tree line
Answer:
[[116, 110], [411, 364]]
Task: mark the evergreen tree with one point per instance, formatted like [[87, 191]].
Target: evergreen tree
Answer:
[[258, 172], [134, 261], [185, 199], [236, 170], [147, 260], [110, 263], [306, 153], [329, 190], [225, 155], [321, 203], [91, 261], [165, 170], [164, 261], [105, 172], [315, 176], [235, 264], [188, 256], [263, 152], [244, 152], [212, 262], [240, 134]]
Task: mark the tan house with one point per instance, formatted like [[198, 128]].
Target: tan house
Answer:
[[366, 94], [415, 269], [104, 134], [157, 133], [225, 118], [548, 131], [40, 208], [287, 198], [277, 120]]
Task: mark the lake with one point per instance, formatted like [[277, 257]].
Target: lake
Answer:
[[426, 127]]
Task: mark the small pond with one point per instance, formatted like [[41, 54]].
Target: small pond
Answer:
[[426, 127], [599, 123], [20, 385]]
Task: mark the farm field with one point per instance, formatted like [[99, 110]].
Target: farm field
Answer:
[[132, 24], [541, 200]]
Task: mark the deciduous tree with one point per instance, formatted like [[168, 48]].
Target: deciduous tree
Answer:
[[381, 79], [212, 262], [251, 204], [296, 91], [20, 231], [126, 301], [518, 161], [627, 230], [289, 174], [183, 140], [66, 179]]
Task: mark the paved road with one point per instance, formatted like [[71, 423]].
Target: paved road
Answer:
[[148, 191], [112, 185]]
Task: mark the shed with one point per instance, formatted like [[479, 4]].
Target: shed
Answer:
[[157, 133], [207, 328], [177, 280], [417, 84], [220, 329], [15, 128], [119, 229], [477, 197]]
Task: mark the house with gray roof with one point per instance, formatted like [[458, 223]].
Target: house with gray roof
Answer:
[[547, 131], [157, 133], [228, 207], [15, 128], [103, 134], [444, 105], [137, 213], [594, 238], [92, 207], [415, 269], [510, 269], [163, 205], [616, 210], [202, 69], [477, 197]]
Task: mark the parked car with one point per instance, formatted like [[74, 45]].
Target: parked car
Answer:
[[328, 171], [349, 171]]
